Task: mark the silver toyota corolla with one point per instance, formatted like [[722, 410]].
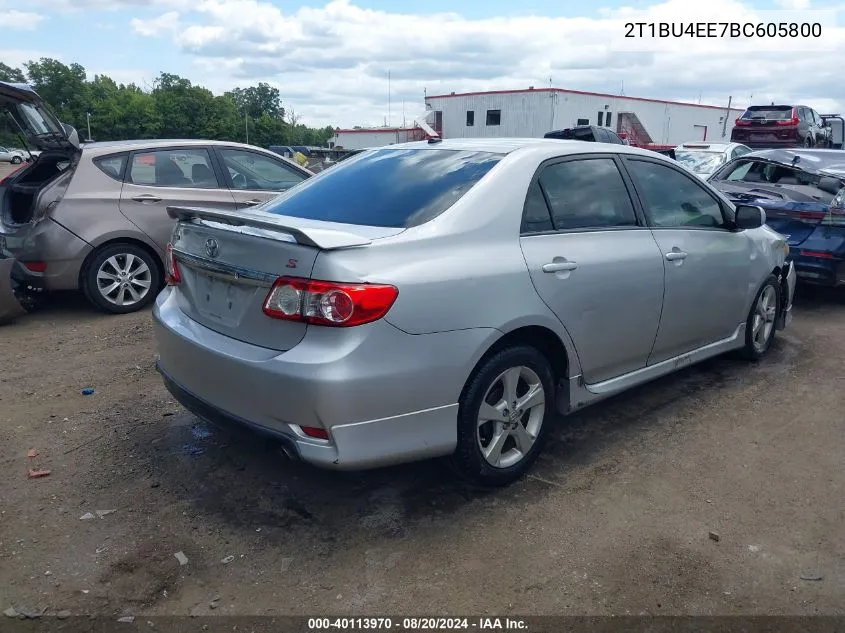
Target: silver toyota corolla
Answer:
[[447, 298]]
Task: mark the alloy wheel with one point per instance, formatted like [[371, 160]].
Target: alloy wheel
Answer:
[[764, 318], [510, 416], [124, 279]]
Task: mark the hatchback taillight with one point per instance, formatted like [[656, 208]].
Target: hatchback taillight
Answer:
[[742, 122], [328, 303], [171, 266], [793, 122]]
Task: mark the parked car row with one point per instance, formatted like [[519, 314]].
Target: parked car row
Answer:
[[443, 298]]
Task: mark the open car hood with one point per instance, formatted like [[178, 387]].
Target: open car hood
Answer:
[[31, 117]]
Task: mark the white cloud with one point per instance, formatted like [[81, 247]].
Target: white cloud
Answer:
[[165, 24], [20, 20], [793, 5], [330, 62]]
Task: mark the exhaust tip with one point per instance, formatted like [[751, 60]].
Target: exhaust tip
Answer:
[[288, 452]]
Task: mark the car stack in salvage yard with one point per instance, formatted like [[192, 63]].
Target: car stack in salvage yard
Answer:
[[435, 306]]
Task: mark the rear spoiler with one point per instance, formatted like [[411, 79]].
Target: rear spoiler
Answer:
[[324, 239]]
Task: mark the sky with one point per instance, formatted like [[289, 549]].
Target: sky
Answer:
[[342, 62]]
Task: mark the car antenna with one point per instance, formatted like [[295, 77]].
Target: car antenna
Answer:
[[435, 139], [795, 159]]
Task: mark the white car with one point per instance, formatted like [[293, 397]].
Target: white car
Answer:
[[705, 158], [14, 156]]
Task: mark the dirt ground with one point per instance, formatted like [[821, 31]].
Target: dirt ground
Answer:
[[615, 518]]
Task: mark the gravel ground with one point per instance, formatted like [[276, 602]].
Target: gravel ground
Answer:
[[615, 519]]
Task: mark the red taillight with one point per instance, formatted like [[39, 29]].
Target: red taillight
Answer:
[[36, 267], [328, 303], [818, 254], [793, 122], [313, 431], [171, 272], [742, 122]]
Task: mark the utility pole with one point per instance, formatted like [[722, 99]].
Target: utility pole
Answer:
[[388, 96], [727, 116], [246, 127]]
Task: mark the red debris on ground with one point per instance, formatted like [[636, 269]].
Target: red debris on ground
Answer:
[[36, 473]]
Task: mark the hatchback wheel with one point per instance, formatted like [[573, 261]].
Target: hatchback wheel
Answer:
[[760, 326], [122, 278], [17, 160], [808, 142], [503, 417]]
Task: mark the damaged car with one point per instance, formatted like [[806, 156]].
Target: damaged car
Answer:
[[803, 194], [93, 217]]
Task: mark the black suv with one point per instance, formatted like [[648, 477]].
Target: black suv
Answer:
[[781, 126], [592, 133]]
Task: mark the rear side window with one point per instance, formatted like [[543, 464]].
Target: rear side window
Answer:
[[586, 194], [389, 188], [112, 166], [173, 168]]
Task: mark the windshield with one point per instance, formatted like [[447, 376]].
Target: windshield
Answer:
[[389, 188], [700, 162]]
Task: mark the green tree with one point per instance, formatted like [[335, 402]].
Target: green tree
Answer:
[[63, 87], [174, 108], [13, 75]]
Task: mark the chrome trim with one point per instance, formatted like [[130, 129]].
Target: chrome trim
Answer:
[[226, 272]]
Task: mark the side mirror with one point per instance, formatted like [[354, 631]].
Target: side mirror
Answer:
[[72, 134], [749, 216]]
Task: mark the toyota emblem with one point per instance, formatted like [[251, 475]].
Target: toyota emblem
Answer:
[[212, 247]]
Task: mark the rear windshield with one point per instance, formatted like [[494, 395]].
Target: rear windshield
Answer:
[[577, 134], [775, 113], [390, 187]]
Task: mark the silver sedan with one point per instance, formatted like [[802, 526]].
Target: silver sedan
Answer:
[[449, 298]]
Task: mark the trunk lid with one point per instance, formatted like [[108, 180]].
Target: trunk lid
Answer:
[[228, 262], [34, 119]]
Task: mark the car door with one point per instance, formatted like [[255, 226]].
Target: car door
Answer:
[[162, 177], [593, 262], [706, 262], [254, 177]]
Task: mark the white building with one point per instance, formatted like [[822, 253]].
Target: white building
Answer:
[[533, 112], [362, 138]]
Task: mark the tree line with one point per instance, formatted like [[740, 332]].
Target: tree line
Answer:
[[172, 107]]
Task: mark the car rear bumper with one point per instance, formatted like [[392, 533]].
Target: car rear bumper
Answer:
[[820, 271], [50, 243], [383, 396]]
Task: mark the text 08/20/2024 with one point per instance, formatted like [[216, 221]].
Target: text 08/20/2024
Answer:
[[705, 30]]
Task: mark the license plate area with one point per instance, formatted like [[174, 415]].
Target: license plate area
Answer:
[[219, 299]]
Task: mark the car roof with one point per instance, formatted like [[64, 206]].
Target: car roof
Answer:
[[544, 147], [105, 147]]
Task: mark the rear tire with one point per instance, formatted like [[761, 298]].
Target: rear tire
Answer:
[[760, 325], [497, 441], [808, 142], [122, 278], [17, 160]]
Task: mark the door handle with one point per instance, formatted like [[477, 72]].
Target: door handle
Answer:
[[557, 267], [252, 203], [675, 255], [146, 197]]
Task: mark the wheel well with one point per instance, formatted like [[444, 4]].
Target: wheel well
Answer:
[[121, 240], [543, 339]]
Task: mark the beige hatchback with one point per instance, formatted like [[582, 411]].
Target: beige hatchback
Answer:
[[94, 217]]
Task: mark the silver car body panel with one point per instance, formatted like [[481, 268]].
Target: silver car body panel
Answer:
[[388, 391]]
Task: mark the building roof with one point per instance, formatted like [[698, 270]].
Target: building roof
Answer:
[[370, 130], [578, 92]]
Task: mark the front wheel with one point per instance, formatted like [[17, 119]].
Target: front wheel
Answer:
[[760, 325], [503, 417], [17, 160], [122, 278]]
